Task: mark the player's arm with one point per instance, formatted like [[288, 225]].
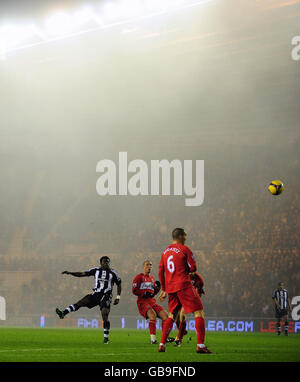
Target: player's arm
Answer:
[[157, 286], [199, 284], [275, 301], [118, 281], [139, 292], [199, 289], [119, 290], [190, 261], [161, 276], [76, 274], [136, 283]]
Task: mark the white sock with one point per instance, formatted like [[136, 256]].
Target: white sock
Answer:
[[201, 345], [153, 337]]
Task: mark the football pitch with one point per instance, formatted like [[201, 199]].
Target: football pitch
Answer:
[[86, 345]]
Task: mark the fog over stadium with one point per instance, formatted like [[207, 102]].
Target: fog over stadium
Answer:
[[211, 81]]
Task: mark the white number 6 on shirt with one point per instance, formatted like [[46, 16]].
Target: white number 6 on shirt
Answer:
[[170, 264]]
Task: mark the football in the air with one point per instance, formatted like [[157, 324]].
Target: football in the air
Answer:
[[276, 187]]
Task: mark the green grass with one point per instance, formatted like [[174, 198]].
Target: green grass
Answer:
[[86, 345]]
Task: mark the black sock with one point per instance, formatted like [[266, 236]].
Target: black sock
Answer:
[[71, 308], [278, 327], [286, 327], [106, 326]]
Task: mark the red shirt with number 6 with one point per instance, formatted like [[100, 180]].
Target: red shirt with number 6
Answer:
[[176, 262]]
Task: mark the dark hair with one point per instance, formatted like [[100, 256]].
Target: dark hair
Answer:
[[177, 232], [104, 257]]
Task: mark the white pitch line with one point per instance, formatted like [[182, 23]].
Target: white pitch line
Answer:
[[63, 351], [111, 354], [44, 349]]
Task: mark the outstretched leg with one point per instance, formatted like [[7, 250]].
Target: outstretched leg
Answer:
[[85, 301]]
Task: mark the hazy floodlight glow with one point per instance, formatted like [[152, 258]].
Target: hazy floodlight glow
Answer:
[[60, 25], [85, 15], [13, 35]]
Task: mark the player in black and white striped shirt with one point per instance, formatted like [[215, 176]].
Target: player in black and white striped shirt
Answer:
[[105, 278], [282, 307]]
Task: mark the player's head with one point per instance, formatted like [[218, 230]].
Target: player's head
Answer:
[[105, 261], [147, 266], [280, 285], [178, 235]]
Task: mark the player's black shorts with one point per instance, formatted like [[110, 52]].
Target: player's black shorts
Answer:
[[280, 312], [92, 300]]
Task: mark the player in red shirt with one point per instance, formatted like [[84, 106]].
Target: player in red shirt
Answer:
[[176, 264], [145, 287], [198, 284]]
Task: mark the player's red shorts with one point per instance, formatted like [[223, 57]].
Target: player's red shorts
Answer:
[[188, 298], [144, 306]]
